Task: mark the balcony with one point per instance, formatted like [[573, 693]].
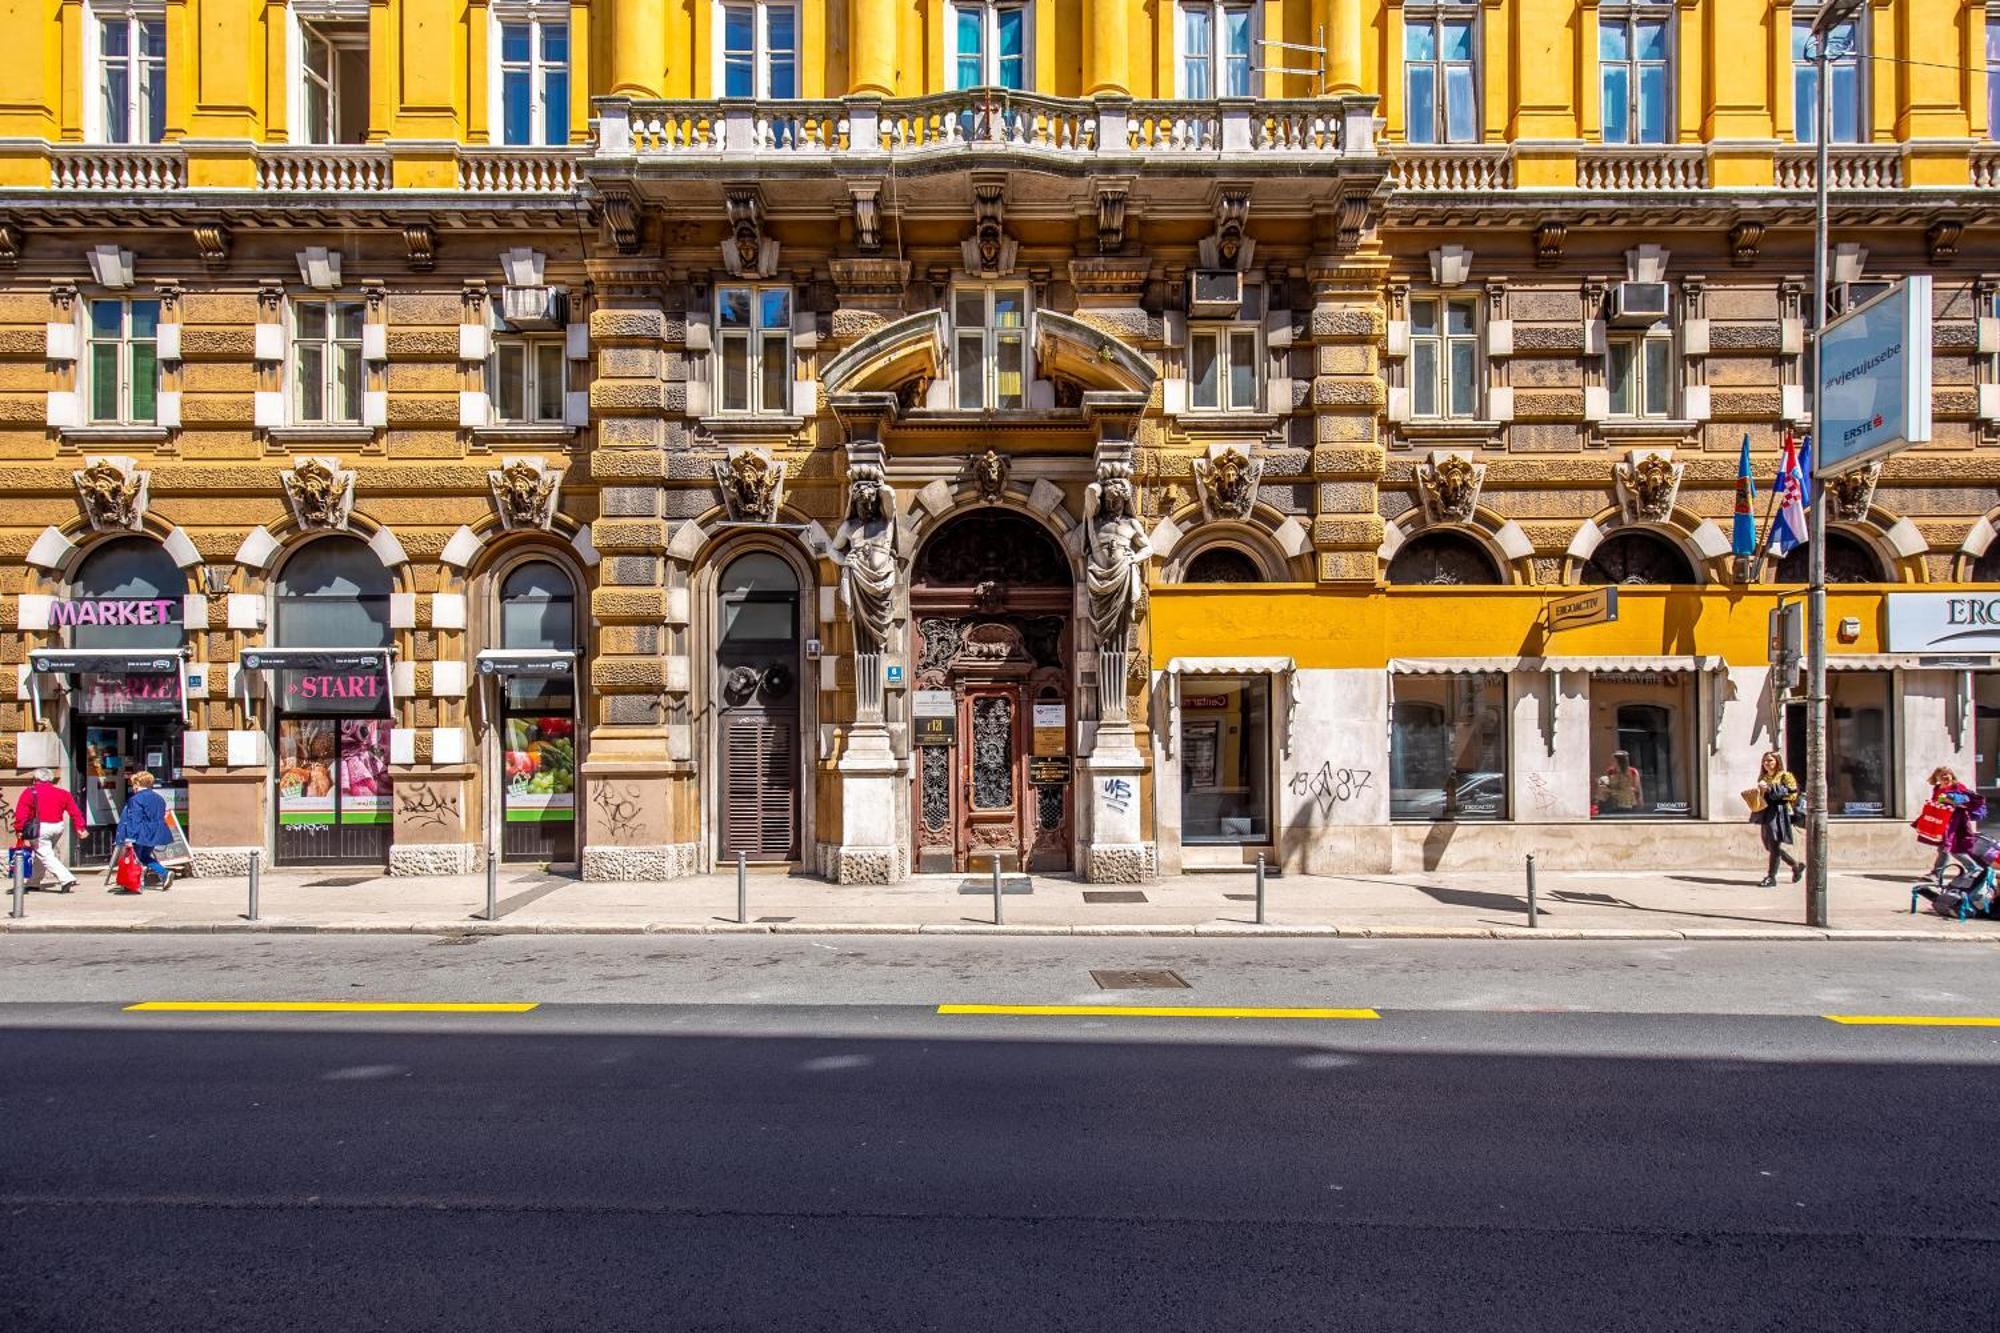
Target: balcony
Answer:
[[1651, 168], [310, 169], [324, 170], [1848, 167], [117, 169]]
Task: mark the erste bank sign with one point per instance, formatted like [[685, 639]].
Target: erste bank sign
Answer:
[[1943, 622], [1875, 379]]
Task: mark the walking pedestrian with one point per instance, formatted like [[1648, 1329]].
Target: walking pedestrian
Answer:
[[1967, 809], [1780, 791], [39, 819], [143, 826]]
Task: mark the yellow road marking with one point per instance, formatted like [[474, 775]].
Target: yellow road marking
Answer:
[[320, 1007], [1911, 1020], [1145, 1011]]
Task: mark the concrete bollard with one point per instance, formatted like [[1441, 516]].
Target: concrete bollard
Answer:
[[492, 886], [1260, 888], [256, 859], [742, 889], [999, 913], [20, 907], [1534, 911]]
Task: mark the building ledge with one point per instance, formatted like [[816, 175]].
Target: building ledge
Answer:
[[319, 434], [114, 434], [525, 432]]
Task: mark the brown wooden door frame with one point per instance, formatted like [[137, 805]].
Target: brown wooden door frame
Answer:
[[982, 832]]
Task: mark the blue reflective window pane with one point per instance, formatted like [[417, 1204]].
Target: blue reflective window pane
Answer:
[[1652, 104], [1013, 73], [1194, 79], [1461, 114], [1801, 39], [1236, 32], [153, 35], [107, 319], [1649, 39], [1993, 39], [1455, 40], [516, 115], [780, 37], [738, 28], [1419, 42], [1846, 92], [1423, 104], [117, 38], [1610, 40], [784, 81], [1805, 104], [738, 77], [555, 43], [145, 319], [971, 45], [156, 108], [1616, 104], [1013, 32], [1195, 26], [514, 42], [555, 106]]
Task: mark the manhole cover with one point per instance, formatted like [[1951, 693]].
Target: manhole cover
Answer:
[[1241, 897], [766, 920], [456, 939], [1137, 979], [1113, 896], [338, 883], [1008, 884]]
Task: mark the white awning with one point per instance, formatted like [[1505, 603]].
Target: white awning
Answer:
[[1281, 670], [1231, 666], [1458, 666]]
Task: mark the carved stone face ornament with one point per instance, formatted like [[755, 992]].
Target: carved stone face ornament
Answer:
[[1654, 480], [750, 481], [1851, 493], [1453, 486], [111, 498], [1229, 481], [319, 493], [524, 490], [989, 474]]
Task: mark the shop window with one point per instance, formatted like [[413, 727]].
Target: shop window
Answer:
[[1845, 86], [754, 337], [1225, 759], [1442, 557], [332, 82], [1637, 556], [124, 365], [538, 717], [989, 44], [533, 83], [1635, 70], [760, 49], [1222, 564], [1448, 747], [131, 55], [138, 578], [1223, 362], [1639, 373], [527, 378], [1848, 560], [1640, 742], [1444, 357], [990, 347], [1217, 45], [333, 593], [1859, 750], [1441, 72], [326, 362], [1985, 735]]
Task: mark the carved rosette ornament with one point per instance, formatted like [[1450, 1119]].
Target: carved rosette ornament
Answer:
[[524, 493], [1850, 494], [320, 493], [1648, 484], [1450, 482], [113, 493], [1227, 480], [989, 475], [752, 485]]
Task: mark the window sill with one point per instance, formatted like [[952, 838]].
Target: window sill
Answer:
[[339, 434], [1644, 426], [1208, 419], [1449, 428], [751, 424], [525, 432], [114, 434]]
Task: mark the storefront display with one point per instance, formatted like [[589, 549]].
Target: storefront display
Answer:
[[1858, 749], [1225, 760], [1639, 746], [537, 695], [1448, 747]]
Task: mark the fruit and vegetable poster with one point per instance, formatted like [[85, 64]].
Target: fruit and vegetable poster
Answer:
[[540, 763]]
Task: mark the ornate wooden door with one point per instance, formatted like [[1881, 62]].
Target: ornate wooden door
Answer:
[[994, 777]]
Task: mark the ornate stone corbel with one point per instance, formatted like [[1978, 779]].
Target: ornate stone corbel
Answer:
[[1649, 481], [320, 493], [989, 474], [989, 251], [524, 493], [748, 253], [211, 240], [1941, 240], [1744, 238], [1227, 480], [621, 219], [1449, 483], [10, 245], [1350, 220], [1112, 195], [113, 493], [1851, 493], [420, 244], [1549, 238], [753, 486], [1228, 246], [867, 199]]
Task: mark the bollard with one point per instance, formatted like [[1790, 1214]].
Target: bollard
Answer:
[[492, 886], [1534, 911], [742, 890], [256, 856], [20, 907], [999, 914], [1260, 888]]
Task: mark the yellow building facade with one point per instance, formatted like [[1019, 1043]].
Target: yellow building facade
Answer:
[[885, 436]]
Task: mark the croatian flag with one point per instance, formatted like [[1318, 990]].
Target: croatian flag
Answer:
[[1744, 536], [1789, 530]]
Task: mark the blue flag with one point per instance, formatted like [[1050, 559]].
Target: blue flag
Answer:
[[1743, 536]]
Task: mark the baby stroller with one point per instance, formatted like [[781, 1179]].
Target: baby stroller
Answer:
[[1971, 892]]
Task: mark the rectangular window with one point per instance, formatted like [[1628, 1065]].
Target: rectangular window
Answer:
[[333, 83], [1993, 77], [1440, 71], [1217, 42], [132, 77], [1225, 759], [1633, 44], [1639, 374], [1444, 357], [1448, 747], [754, 334], [1223, 362], [1857, 744], [326, 362], [124, 365], [990, 347], [1843, 47], [534, 82], [1640, 724], [760, 49], [990, 44], [526, 378]]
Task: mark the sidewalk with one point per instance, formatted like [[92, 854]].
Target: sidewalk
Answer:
[[1682, 904]]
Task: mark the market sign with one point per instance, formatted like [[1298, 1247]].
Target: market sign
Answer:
[[1922, 622], [1875, 379], [1596, 607], [114, 611]]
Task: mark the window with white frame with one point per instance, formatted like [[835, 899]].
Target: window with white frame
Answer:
[[1441, 72], [123, 364], [760, 48], [1993, 76], [1635, 71], [989, 44], [326, 367], [131, 55], [1638, 372], [1223, 365], [989, 360], [1217, 39], [526, 378], [1843, 77], [533, 82], [332, 82], [753, 336], [1444, 357]]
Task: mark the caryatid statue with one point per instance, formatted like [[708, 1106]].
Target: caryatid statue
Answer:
[[868, 587], [1119, 549]]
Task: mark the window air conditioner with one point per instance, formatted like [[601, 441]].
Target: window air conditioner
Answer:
[[534, 307], [1215, 291], [1639, 303]]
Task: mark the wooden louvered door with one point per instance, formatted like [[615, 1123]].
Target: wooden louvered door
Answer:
[[760, 805], [757, 698]]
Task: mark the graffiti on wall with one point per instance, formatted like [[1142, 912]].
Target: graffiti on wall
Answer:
[[1327, 787]]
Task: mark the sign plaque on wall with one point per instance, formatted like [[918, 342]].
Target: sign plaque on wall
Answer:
[[1049, 771], [1051, 729], [936, 717]]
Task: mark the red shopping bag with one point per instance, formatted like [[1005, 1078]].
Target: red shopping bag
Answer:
[[131, 875], [1932, 823]]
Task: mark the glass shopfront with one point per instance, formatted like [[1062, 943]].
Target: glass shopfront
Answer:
[[1858, 743], [1225, 759], [1448, 747], [1641, 742], [538, 717]]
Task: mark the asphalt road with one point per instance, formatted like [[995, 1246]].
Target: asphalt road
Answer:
[[1542, 1137]]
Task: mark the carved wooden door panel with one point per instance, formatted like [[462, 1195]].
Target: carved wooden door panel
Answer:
[[992, 776]]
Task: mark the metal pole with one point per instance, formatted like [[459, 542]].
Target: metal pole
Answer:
[[20, 907], [999, 913], [742, 890], [1534, 909], [256, 858], [492, 886], [1260, 888], [1816, 912]]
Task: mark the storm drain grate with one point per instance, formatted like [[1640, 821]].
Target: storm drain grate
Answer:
[[773, 920], [339, 882], [456, 939], [1113, 896], [1137, 979]]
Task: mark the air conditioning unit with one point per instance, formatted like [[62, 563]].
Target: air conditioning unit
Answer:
[[527, 308], [1215, 291], [1639, 303]]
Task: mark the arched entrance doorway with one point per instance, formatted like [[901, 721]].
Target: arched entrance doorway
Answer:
[[757, 707], [990, 595]]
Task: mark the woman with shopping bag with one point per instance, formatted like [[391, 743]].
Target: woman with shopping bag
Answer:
[[1950, 821], [1779, 791], [142, 827]]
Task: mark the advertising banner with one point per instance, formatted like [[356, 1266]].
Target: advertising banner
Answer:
[[1875, 379], [1943, 622]]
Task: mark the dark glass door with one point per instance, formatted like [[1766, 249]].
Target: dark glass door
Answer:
[[757, 684], [538, 821], [109, 752]]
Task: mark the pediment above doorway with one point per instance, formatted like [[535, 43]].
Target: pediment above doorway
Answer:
[[888, 359]]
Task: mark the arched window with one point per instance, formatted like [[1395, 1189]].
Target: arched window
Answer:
[[1848, 560], [1638, 556], [1442, 558], [1986, 569], [537, 607], [137, 577], [1222, 564], [333, 593]]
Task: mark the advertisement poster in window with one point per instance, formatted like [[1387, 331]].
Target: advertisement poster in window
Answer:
[[364, 772], [305, 771], [1199, 740], [541, 770]]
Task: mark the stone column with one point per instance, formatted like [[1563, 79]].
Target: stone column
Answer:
[[874, 807], [871, 48], [1343, 40], [638, 48], [1349, 322], [1116, 849], [1108, 50]]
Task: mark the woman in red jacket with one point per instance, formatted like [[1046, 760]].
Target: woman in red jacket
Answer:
[[39, 817], [1967, 809]]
